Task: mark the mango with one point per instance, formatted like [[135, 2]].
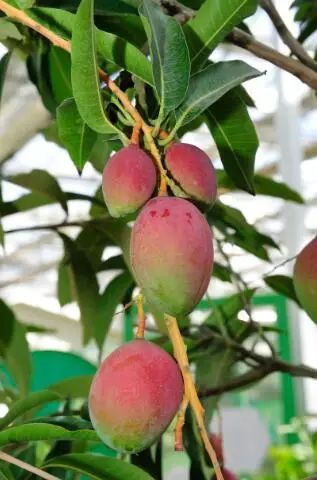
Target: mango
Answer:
[[172, 254], [135, 395], [305, 278], [193, 171], [128, 181]]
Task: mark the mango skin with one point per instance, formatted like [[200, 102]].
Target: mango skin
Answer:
[[135, 395], [172, 254], [305, 278], [193, 171], [128, 181]]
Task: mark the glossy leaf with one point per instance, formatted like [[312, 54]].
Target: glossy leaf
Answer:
[[75, 134], [33, 432], [99, 467], [84, 72], [169, 53], [4, 63], [284, 285], [43, 183], [112, 48], [75, 387], [210, 84], [235, 136], [110, 299], [22, 406], [213, 21], [60, 73]]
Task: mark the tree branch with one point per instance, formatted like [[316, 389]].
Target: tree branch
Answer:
[[286, 36], [26, 466], [248, 42]]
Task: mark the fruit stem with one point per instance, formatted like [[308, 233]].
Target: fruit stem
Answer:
[[141, 316], [182, 360], [136, 133], [179, 446]]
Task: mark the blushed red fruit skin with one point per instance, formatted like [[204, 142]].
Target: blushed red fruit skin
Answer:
[[172, 254], [193, 171], [134, 396], [305, 278], [227, 475], [128, 181]]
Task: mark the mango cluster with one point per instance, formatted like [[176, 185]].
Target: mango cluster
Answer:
[[138, 388]]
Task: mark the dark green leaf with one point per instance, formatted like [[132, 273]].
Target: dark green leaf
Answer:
[[43, 183], [75, 134], [40, 431], [14, 348], [85, 285], [221, 272], [85, 76], [60, 76], [208, 85], [111, 47], [113, 263], [263, 186], [213, 21], [284, 285], [170, 57], [111, 298], [64, 290], [236, 139], [75, 387], [20, 407], [99, 467], [4, 63]]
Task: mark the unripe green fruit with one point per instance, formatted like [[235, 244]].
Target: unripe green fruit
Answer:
[[305, 278], [192, 169], [134, 396], [128, 181], [172, 254]]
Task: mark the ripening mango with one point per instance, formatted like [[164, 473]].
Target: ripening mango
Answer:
[[305, 278], [128, 181], [193, 171], [134, 396], [172, 254]]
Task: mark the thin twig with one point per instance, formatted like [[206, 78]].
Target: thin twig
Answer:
[[26, 466], [141, 316], [286, 36], [190, 390]]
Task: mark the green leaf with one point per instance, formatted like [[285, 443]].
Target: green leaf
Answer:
[[235, 136], [75, 134], [221, 272], [4, 63], [40, 431], [213, 21], [169, 53], [20, 407], [99, 467], [284, 285], [85, 76], [64, 290], [43, 183], [110, 299], [264, 186], [60, 73], [9, 30], [74, 387], [85, 286], [25, 3], [111, 47], [14, 348], [208, 85], [113, 263]]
